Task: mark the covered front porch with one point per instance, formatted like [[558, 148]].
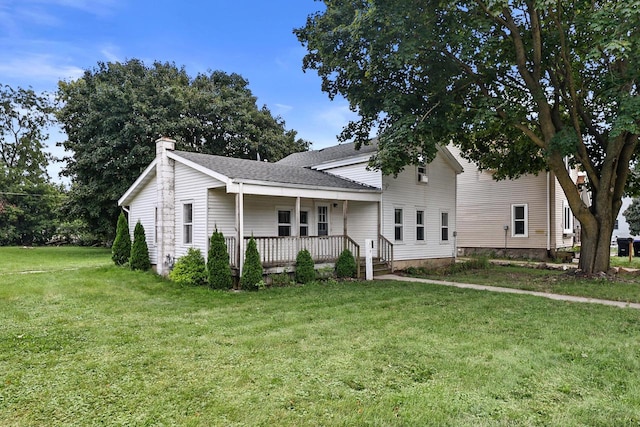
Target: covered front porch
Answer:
[[324, 222], [279, 253]]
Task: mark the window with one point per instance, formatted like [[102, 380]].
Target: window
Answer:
[[420, 225], [615, 225], [187, 221], [519, 220], [398, 224], [567, 218], [304, 223], [444, 226], [323, 220], [284, 223], [423, 175]]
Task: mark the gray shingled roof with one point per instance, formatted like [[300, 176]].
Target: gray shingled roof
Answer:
[[243, 169], [316, 157]]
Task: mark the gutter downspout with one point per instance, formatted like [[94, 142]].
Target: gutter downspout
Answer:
[[548, 216]]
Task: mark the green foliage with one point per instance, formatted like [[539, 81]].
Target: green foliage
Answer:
[[281, 279], [113, 114], [190, 270], [121, 249], [252, 270], [516, 85], [305, 268], [139, 259], [346, 265], [218, 267], [29, 202], [632, 215]]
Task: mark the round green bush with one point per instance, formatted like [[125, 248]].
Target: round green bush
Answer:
[[139, 250], [305, 268], [346, 265], [121, 248], [190, 270], [218, 267], [252, 271]]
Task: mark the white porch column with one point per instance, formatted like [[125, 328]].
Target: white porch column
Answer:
[[240, 212], [165, 184]]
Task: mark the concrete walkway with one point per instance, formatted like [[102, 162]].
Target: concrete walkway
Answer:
[[557, 297]]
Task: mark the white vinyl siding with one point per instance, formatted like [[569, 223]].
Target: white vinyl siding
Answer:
[[192, 187], [358, 173], [143, 209], [439, 195], [484, 209]]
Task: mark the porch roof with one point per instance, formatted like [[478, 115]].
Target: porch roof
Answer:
[[274, 174]]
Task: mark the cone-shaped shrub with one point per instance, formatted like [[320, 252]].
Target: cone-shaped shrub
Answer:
[[190, 269], [346, 265], [121, 249], [305, 268], [218, 268], [139, 250], [252, 272]]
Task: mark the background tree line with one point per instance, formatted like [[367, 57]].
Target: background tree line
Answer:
[[112, 116]]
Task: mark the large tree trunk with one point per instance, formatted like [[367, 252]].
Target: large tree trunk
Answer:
[[595, 247]]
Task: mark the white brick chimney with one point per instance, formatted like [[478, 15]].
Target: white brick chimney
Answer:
[[165, 222]]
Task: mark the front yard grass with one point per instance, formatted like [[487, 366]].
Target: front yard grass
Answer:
[[624, 287], [107, 346]]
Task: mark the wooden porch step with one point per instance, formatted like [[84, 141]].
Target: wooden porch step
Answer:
[[379, 267]]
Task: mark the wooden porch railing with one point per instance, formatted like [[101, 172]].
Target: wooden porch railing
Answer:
[[233, 251], [385, 251], [282, 251]]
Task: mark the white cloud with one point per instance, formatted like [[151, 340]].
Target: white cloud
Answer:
[[282, 108], [38, 67], [110, 53]]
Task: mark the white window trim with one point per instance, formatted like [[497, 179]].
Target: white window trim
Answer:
[[526, 220], [307, 224], [448, 227], [423, 225], [567, 215], [422, 178], [185, 223], [292, 224], [316, 218], [400, 224]]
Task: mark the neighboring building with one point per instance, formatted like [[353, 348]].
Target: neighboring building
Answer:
[[621, 227], [324, 200], [528, 217]]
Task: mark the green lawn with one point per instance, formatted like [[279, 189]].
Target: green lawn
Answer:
[[623, 288], [50, 258], [107, 346]]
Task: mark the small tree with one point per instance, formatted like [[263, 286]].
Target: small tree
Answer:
[[190, 270], [139, 250], [218, 268], [632, 215], [305, 268], [121, 249], [346, 265], [252, 273]]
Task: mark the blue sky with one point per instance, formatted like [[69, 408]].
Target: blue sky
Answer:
[[44, 41]]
